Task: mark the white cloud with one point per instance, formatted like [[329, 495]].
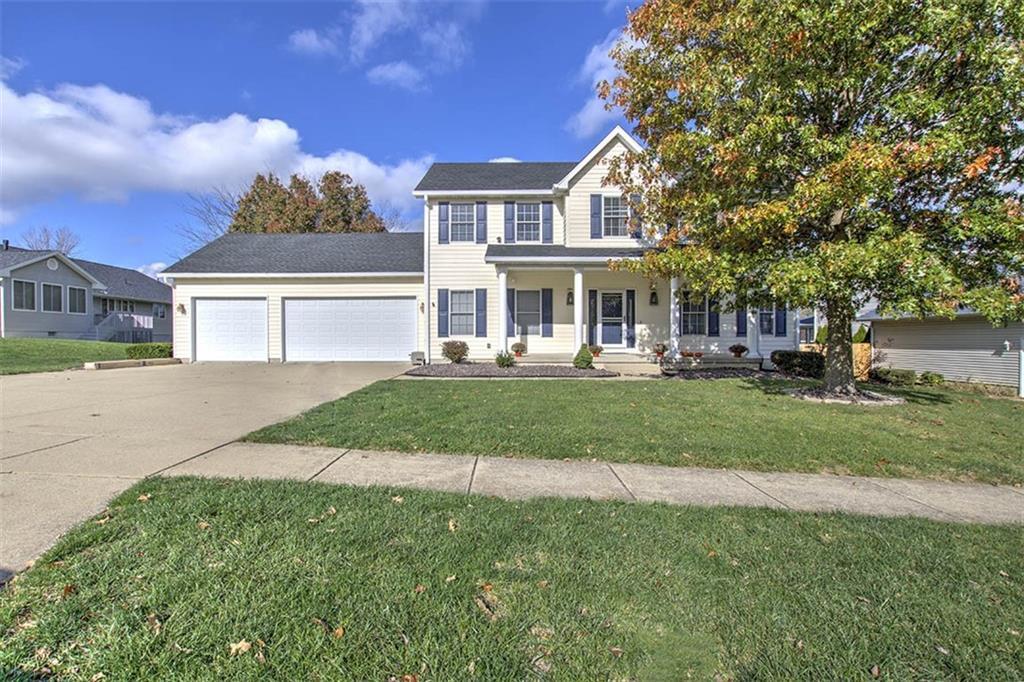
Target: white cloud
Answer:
[[445, 44], [152, 269], [374, 20], [10, 66], [399, 74], [504, 159], [102, 145], [592, 118], [312, 42]]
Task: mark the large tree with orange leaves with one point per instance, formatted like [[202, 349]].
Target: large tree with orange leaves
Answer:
[[826, 152]]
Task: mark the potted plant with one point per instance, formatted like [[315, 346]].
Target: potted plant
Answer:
[[519, 348], [595, 350], [692, 354], [738, 350], [659, 350]]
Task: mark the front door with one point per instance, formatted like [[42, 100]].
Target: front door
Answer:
[[527, 314], [611, 320]]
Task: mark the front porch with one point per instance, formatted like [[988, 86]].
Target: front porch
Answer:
[[646, 363]]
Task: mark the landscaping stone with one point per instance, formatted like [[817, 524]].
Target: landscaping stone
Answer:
[[722, 373], [490, 370]]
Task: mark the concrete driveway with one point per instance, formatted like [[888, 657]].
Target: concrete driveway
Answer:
[[69, 441]]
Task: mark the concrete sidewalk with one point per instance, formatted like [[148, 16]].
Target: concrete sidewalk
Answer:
[[523, 478]]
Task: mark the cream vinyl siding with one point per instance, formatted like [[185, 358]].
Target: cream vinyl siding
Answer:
[[964, 349], [577, 201], [274, 290]]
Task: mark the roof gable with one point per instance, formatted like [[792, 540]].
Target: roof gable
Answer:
[[616, 135]]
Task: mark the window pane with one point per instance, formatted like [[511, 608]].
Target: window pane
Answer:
[[462, 317], [52, 299], [616, 216], [528, 312], [76, 300], [693, 315], [25, 295], [767, 321], [463, 222], [528, 222]]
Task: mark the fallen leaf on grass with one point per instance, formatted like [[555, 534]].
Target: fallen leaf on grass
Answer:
[[180, 648], [398, 499], [616, 652], [450, 579], [145, 497], [153, 623], [68, 591], [420, 588], [100, 522], [97, 677], [542, 584], [338, 632], [488, 603], [202, 525], [452, 526], [487, 587], [240, 647], [942, 650], [876, 671]]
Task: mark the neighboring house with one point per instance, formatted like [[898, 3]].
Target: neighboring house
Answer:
[[510, 252], [966, 348], [48, 294]]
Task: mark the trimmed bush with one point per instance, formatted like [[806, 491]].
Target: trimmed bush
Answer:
[[930, 379], [800, 363], [505, 360], [584, 358], [146, 351], [455, 351], [895, 377]]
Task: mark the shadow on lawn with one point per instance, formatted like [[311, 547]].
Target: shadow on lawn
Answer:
[[912, 395]]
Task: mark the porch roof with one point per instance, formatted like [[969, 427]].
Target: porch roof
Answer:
[[556, 253]]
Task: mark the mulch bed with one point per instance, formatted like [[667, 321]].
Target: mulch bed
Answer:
[[721, 373], [861, 397], [490, 370]]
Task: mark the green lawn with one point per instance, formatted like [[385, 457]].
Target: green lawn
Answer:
[[19, 356], [446, 587], [729, 423]]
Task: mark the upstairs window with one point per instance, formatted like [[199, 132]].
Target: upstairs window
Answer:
[[24, 295], [462, 317], [693, 315], [463, 224], [528, 222], [53, 298], [615, 217]]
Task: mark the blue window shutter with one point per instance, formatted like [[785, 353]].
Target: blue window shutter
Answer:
[[713, 317], [741, 322], [546, 311], [442, 313], [780, 321], [510, 222], [592, 316], [481, 222], [638, 228], [511, 331], [630, 318], [481, 313], [595, 216], [442, 223], [547, 222]]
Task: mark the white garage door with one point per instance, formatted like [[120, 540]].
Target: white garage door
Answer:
[[231, 329], [325, 329]]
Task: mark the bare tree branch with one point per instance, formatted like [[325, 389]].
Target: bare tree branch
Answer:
[[391, 216], [45, 239], [209, 214]]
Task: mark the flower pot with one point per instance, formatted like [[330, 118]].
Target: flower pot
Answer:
[[737, 355], [518, 354], [597, 354]]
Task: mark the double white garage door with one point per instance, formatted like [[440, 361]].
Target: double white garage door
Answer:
[[314, 329]]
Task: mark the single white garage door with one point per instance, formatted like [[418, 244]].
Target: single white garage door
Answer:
[[231, 329], [326, 329]]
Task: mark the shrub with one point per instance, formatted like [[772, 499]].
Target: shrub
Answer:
[[862, 335], [800, 363], [456, 351], [896, 377], [505, 360], [584, 359], [821, 338], [738, 349], [595, 349], [930, 378], [519, 347], [145, 351]]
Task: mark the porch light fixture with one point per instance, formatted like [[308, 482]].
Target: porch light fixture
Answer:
[[654, 297], [570, 298]]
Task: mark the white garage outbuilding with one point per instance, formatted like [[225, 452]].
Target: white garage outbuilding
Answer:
[[300, 298]]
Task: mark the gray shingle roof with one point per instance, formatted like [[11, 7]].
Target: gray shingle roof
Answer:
[[558, 251], [13, 255], [475, 177], [307, 253], [126, 283]]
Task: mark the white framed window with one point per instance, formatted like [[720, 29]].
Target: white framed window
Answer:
[[24, 293], [76, 300], [463, 222], [159, 310], [807, 330], [53, 298], [693, 316], [766, 321], [614, 216], [528, 222], [462, 313]]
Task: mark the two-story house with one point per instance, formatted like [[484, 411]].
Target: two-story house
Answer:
[[510, 252]]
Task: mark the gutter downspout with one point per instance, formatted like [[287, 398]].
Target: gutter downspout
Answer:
[[1020, 367], [426, 278], [3, 309]]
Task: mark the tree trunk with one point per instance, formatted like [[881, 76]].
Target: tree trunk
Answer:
[[839, 348]]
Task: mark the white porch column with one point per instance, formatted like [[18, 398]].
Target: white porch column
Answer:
[[502, 310], [673, 318], [753, 333], [577, 308]]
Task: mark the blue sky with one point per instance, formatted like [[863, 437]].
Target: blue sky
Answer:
[[112, 113]]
